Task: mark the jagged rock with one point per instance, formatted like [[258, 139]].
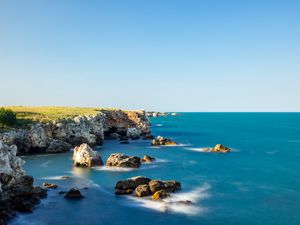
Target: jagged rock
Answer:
[[172, 185], [159, 140], [133, 132], [127, 186], [48, 185], [147, 158], [41, 192], [73, 193], [159, 195], [220, 148], [85, 156], [57, 146], [121, 160], [156, 185], [142, 190]]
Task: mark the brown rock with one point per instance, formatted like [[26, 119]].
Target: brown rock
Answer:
[[142, 190], [220, 148], [48, 185], [147, 158], [172, 185], [159, 195], [156, 185], [73, 193], [121, 160]]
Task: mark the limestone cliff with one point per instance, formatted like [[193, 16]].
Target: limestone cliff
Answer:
[[60, 135]]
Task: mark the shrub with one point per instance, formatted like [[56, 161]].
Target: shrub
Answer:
[[7, 117]]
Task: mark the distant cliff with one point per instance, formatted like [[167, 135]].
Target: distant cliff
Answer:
[[58, 135]]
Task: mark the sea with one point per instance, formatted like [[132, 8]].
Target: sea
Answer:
[[257, 183]]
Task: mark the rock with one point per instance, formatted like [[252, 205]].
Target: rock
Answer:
[[73, 193], [57, 146], [127, 186], [220, 148], [41, 192], [85, 156], [159, 140], [142, 190], [147, 158], [156, 185], [123, 192], [65, 177], [121, 160], [172, 185], [114, 135], [159, 195], [133, 132], [48, 185]]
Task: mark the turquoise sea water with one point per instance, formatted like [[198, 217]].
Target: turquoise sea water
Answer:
[[257, 183]]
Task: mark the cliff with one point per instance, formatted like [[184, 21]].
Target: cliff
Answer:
[[58, 135]]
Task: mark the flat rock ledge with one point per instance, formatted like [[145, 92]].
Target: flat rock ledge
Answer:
[[145, 187], [159, 140], [85, 156]]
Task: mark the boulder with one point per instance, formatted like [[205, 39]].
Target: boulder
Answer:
[[73, 193], [40, 192], [159, 140], [220, 148], [48, 185], [133, 132], [85, 156], [142, 190], [159, 195], [121, 160], [127, 186], [172, 185], [147, 158], [57, 146], [156, 185]]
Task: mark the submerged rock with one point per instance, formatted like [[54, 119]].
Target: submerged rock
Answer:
[[121, 160], [73, 193], [85, 156], [159, 140], [220, 148], [148, 137], [159, 195], [147, 158], [142, 190], [123, 192], [48, 185]]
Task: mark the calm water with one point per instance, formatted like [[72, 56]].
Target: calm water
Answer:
[[257, 183]]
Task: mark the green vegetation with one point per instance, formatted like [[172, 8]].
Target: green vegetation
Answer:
[[45, 114], [7, 118]]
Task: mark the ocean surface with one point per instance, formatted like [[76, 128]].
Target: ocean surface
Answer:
[[257, 183]]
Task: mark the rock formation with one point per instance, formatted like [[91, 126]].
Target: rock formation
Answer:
[[85, 156], [220, 148], [73, 193], [121, 160], [147, 158], [143, 186], [159, 140], [59, 135], [16, 189]]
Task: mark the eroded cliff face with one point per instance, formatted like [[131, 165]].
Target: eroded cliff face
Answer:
[[60, 136], [16, 189]]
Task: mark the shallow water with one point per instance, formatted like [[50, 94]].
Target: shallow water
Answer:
[[257, 183]]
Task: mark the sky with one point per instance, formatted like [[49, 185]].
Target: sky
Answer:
[[164, 55]]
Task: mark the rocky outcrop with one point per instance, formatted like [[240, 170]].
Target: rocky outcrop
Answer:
[[218, 148], [159, 140], [16, 189], [48, 185], [148, 159], [74, 193], [161, 114], [121, 160], [143, 186], [58, 136], [85, 156]]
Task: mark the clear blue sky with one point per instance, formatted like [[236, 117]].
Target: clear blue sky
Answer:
[[209, 55]]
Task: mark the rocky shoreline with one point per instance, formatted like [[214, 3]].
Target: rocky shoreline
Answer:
[[17, 193]]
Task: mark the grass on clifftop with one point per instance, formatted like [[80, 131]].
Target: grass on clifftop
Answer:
[[46, 114]]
